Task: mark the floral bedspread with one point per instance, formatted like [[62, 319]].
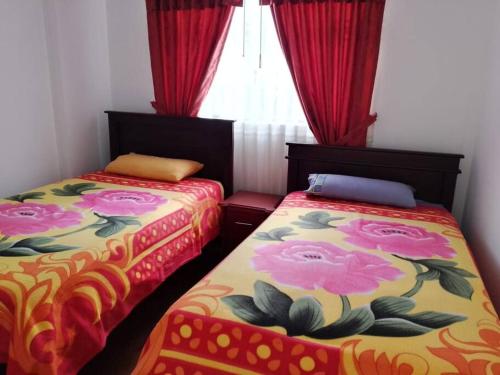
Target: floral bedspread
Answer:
[[329, 287], [76, 256]]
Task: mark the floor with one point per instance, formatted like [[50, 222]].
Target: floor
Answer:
[[125, 343]]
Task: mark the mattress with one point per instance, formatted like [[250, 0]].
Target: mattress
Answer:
[[78, 255], [331, 287]]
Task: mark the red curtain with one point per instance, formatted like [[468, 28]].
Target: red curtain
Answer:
[[186, 38], [331, 47]]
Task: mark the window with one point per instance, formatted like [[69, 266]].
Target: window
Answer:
[[261, 97], [253, 84]]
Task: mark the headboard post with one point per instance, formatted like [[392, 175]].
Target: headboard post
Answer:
[[207, 141], [433, 175]]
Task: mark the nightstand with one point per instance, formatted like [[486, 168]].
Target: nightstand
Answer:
[[243, 212]]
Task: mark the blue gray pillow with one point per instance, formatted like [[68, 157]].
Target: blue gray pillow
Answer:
[[361, 189]]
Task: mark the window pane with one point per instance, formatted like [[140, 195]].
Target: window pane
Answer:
[[242, 90]]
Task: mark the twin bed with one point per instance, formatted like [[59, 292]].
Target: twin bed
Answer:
[[335, 287], [76, 256], [321, 287]]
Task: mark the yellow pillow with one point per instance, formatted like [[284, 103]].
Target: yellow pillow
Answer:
[[153, 167]]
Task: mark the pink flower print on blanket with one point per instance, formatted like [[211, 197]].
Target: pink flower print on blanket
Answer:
[[28, 218], [397, 238], [314, 265], [121, 202]]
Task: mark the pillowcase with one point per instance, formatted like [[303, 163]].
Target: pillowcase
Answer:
[[361, 189], [153, 167]]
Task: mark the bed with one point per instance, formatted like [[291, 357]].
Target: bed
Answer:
[[77, 255], [335, 287]]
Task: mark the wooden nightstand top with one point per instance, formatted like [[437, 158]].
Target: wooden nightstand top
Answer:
[[248, 199]]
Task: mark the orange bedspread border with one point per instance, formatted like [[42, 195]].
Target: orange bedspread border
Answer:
[[217, 346]]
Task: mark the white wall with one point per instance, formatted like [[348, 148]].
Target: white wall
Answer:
[[131, 81], [54, 88], [482, 213], [28, 155], [431, 78], [79, 60]]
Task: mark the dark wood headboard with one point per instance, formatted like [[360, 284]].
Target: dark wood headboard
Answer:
[[433, 175], [207, 141]]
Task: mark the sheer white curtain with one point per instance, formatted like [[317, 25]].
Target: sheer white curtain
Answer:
[[253, 86]]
